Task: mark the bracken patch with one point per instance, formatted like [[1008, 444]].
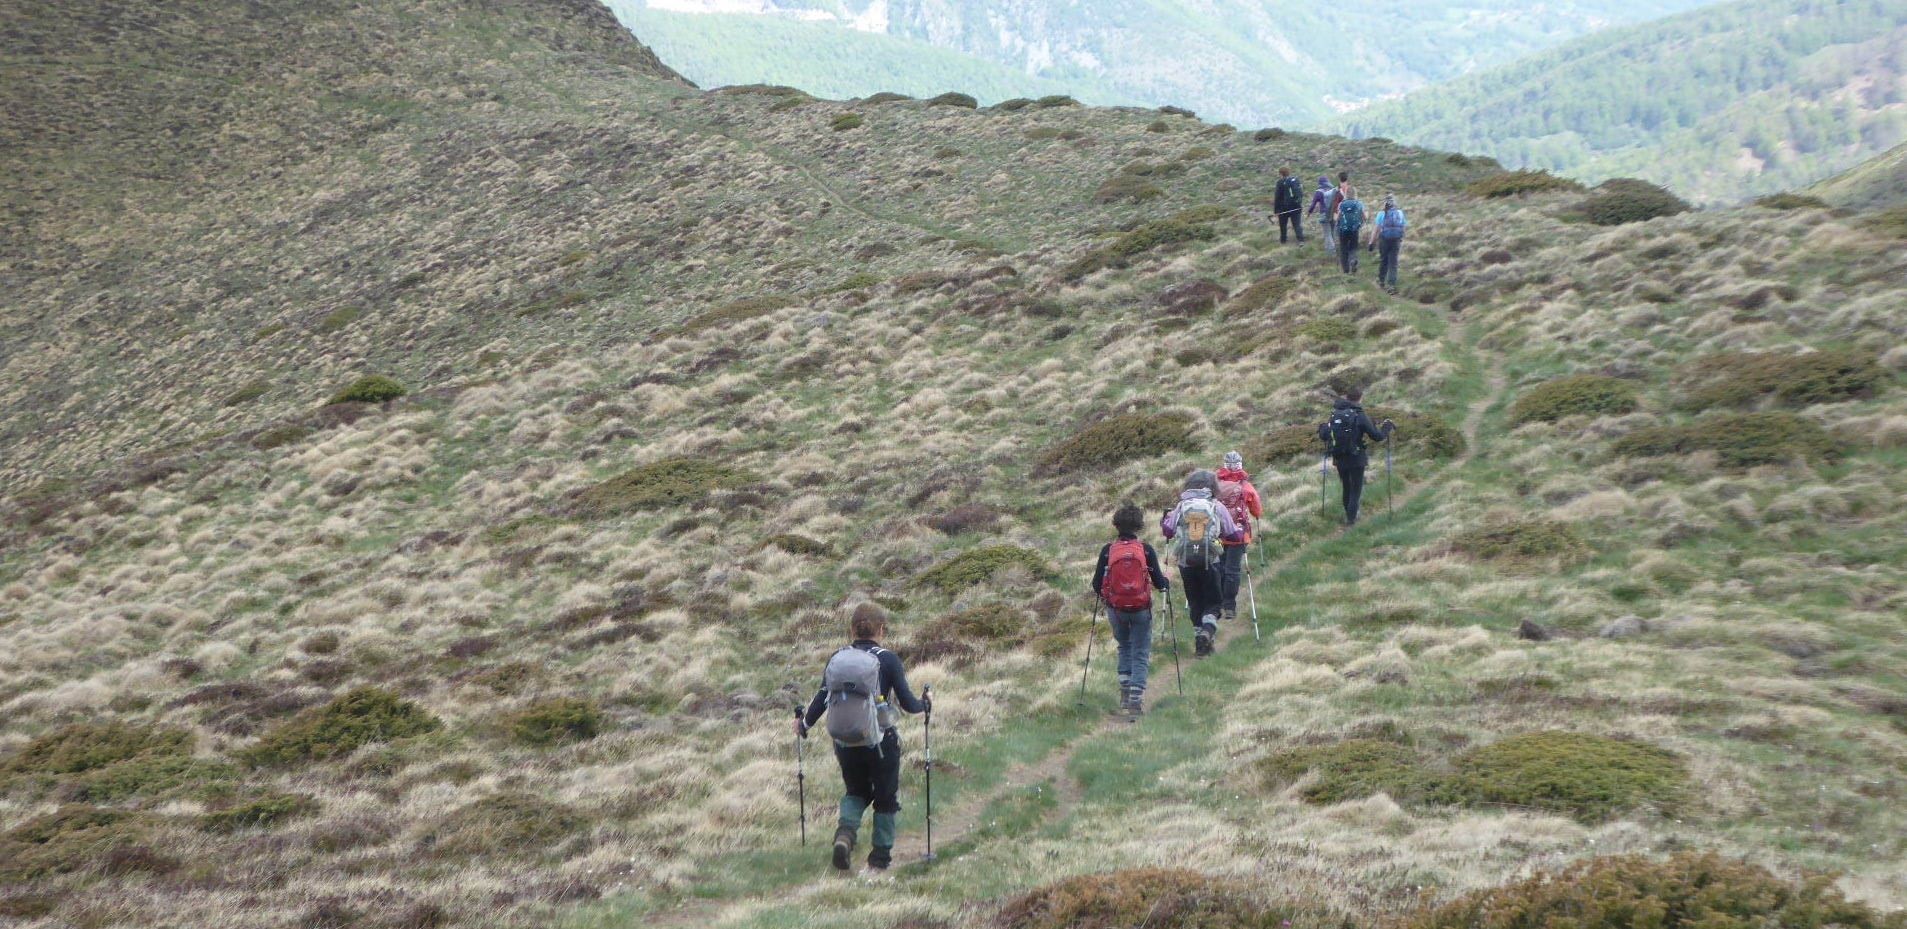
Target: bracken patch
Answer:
[[1119, 439], [1577, 394]]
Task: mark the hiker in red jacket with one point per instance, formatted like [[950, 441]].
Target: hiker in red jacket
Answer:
[[1235, 490]]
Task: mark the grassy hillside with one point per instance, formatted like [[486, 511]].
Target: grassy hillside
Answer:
[[684, 374], [1722, 103], [1252, 62], [1879, 182]]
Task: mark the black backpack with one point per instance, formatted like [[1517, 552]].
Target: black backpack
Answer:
[[1345, 431], [1290, 192]]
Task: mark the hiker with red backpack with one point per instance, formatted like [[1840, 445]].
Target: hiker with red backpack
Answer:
[[1198, 528], [1240, 499], [860, 688], [1127, 574]]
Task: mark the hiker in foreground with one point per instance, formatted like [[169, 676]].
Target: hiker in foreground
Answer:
[[1198, 528], [1387, 238], [860, 688], [1241, 501], [1350, 221], [1285, 202], [1127, 574], [1324, 203], [1343, 435]]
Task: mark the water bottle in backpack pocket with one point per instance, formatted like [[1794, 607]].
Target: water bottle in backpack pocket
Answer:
[[852, 682]]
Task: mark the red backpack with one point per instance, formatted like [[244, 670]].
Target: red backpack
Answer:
[[1128, 584], [1232, 494]]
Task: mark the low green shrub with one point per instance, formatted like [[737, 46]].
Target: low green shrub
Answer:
[[796, 544], [1052, 100], [1457, 158], [358, 718], [1159, 125], [1740, 440], [1534, 538], [1262, 294], [1178, 111], [1738, 379], [339, 318], [71, 838], [1518, 183], [1156, 898], [1195, 153], [1626, 200], [1690, 890], [761, 90], [554, 722], [246, 394], [1328, 330], [1186, 226], [1590, 777], [1425, 436], [278, 437], [1577, 394], [1119, 439], [846, 121], [976, 565], [886, 96], [371, 388], [154, 777], [77, 748], [507, 824], [669, 482], [859, 280], [1790, 201], [963, 101], [1349, 770], [261, 812], [737, 311], [1014, 105], [1281, 445], [1133, 188], [1269, 134]]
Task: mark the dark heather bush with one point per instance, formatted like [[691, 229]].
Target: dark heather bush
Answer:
[[1516, 183], [1425, 436], [1625, 200], [358, 718], [1690, 890], [1349, 770], [1589, 777], [81, 747], [1737, 379], [1586, 394], [1156, 898], [963, 101], [1119, 439], [261, 812], [846, 121], [555, 721], [976, 565], [1739, 440], [507, 824], [372, 388]]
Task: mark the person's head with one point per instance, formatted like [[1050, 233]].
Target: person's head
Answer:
[[1202, 480], [1234, 461], [1354, 394], [1128, 519], [1390, 201], [1344, 177], [1324, 180], [1284, 172], [868, 621]]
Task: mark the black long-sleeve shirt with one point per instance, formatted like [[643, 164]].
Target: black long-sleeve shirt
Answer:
[[893, 686], [1152, 565], [1366, 429]]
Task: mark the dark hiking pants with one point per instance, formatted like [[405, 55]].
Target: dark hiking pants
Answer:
[[872, 778], [1347, 251], [1351, 476], [1387, 250], [1292, 220], [1230, 570], [1201, 592], [1132, 629]]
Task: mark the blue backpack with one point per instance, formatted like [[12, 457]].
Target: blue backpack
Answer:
[[1390, 224], [1350, 217]]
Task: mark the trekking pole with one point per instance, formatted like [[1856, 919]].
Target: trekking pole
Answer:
[[1324, 496], [1389, 513], [1251, 591], [801, 777], [927, 752], [1172, 623], [1091, 633]]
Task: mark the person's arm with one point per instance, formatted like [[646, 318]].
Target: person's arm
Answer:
[[1099, 573], [1152, 564], [894, 682], [815, 707], [1169, 523], [1253, 505], [1370, 429]]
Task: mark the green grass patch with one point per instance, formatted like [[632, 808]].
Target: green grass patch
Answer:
[[1328, 330], [1577, 394], [364, 716], [669, 482], [1739, 379], [1119, 439], [1522, 539], [371, 388], [1518, 183], [554, 721], [1590, 777], [1739, 440]]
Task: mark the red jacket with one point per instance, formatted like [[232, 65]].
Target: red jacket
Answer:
[[1252, 503]]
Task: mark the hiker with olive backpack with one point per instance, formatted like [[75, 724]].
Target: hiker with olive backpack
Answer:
[[1198, 528], [860, 689], [1127, 574]]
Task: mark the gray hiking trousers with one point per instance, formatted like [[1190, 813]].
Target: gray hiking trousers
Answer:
[[1132, 629]]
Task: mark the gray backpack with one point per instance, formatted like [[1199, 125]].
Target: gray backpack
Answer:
[[853, 685]]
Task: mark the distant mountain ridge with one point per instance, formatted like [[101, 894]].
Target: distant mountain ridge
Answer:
[[1721, 103], [1251, 62]]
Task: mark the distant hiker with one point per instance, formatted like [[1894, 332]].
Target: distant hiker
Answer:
[[1324, 203], [1198, 528], [859, 690], [1344, 434], [1240, 499], [1127, 574], [1350, 219], [1387, 238], [1285, 202]]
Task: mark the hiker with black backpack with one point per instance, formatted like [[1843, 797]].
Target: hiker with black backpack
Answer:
[[1387, 239], [1285, 202], [1198, 528], [860, 688], [1324, 202], [1350, 222], [1127, 574], [1240, 499], [1343, 436]]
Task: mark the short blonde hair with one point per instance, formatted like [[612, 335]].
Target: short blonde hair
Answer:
[[868, 621]]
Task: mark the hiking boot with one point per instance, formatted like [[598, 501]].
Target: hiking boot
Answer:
[[878, 859], [1137, 705], [843, 847], [1202, 643], [1226, 616]]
